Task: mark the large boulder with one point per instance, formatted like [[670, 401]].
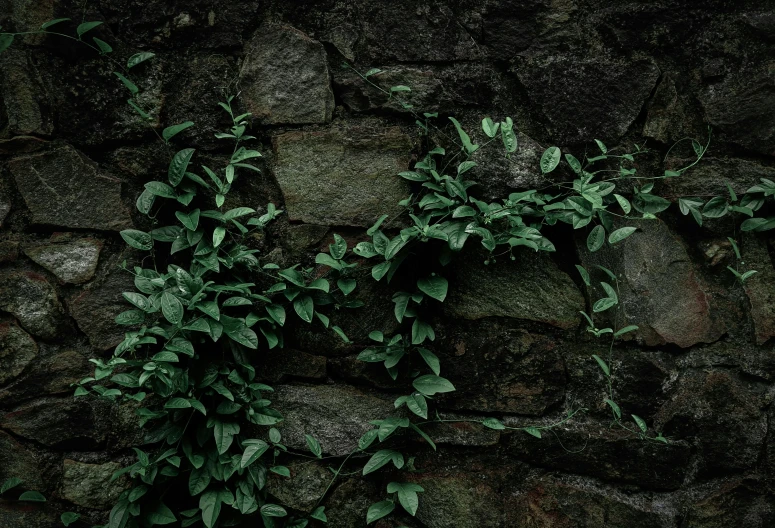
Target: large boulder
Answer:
[[62, 188], [25, 110], [347, 175], [285, 77], [90, 485]]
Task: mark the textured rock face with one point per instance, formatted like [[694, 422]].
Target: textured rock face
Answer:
[[33, 301], [61, 188], [89, 485], [336, 415], [531, 288], [280, 56], [584, 98], [73, 262], [344, 176], [700, 370], [660, 289], [17, 350]]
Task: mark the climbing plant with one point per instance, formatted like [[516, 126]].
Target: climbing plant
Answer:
[[206, 302]]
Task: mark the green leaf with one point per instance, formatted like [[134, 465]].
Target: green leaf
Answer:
[[626, 330], [253, 452], [338, 248], [210, 504], [489, 127], [69, 518], [172, 308], [614, 407], [407, 495], [137, 239], [219, 233], [319, 514], [601, 146], [603, 364], [132, 87], [430, 359], [715, 208], [620, 234], [137, 58], [493, 423], [160, 515], [641, 424], [550, 159], [574, 163], [508, 137], [273, 510], [533, 431], [469, 147], [418, 405], [346, 285], [400, 88], [314, 446], [32, 496], [603, 304], [623, 203], [435, 287], [649, 203], [50, 23], [102, 45], [86, 26], [171, 131], [584, 275], [178, 166], [6, 39], [379, 510], [281, 470], [304, 307], [596, 238], [382, 457], [190, 220], [430, 384], [10, 484]]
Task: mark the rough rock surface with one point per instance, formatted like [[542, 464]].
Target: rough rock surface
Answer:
[[89, 485], [531, 288], [659, 287], [343, 176], [33, 301], [17, 350], [61, 188], [74, 262], [279, 56]]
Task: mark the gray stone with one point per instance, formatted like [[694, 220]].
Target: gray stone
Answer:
[[344, 175], [89, 485], [20, 462], [25, 515], [760, 288], [62, 188], [723, 414], [668, 115], [742, 106], [465, 432], [659, 288], [25, 108], [738, 502], [511, 372], [96, 307], [587, 97], [709, 177], [73, 262], [285, 77], [337, 415], [308, 482], [61, 423], [595, 449], [17, 350], [278, 364], [33, 301], [555, 500], [531, 288]]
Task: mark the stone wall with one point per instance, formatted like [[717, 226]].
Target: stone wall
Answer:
[[700, 369]]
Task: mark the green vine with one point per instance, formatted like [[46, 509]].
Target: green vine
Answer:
[[208, 301]]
